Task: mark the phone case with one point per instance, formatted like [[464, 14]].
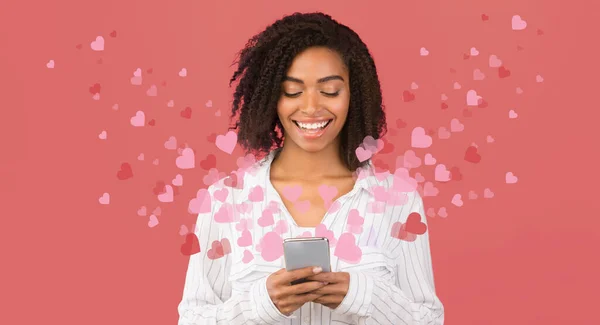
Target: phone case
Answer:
[[306, 251]]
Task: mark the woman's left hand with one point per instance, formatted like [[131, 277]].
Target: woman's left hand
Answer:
[[335, 290]]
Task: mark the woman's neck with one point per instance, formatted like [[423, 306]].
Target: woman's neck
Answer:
[[294, 162]]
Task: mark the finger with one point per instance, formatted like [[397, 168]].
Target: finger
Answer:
[[302, 298], [298, 274], [329, 299], [330, 277], [301, 288], [333, 289]]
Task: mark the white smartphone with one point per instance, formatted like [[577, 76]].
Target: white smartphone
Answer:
[[306, 251]]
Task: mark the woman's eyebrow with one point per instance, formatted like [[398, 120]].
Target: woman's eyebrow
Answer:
[[324, 79]]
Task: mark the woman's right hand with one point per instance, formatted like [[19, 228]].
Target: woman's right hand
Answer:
[[287, 297]]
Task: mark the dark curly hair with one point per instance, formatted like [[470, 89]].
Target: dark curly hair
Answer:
[[263, 63]]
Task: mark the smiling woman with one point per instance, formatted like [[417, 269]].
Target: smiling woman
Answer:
[[308, 97]]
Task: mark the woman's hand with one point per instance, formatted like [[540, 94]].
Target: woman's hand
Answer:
[[288, 298], [332, 294]]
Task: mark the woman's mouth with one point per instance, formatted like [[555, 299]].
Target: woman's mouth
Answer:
[[312, 130]]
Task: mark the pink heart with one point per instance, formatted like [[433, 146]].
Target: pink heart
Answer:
[[141, 157], [281, 227], [411, 160], [302, 206], [226, 143], [155, 162], [473, 98], [256, 194], [247, 257], [98, 44], [456, 126], [245, 239], [354, 218], [266, 219], [518, 23], [333, 207], [183, 72], [478, 75], [512, 114], [381, 194], [414, 85], [430, 190], [511, 178], [474, 52], [152, 91], [292, 193], [424, 52], [429, 160], [157, 211], [170, 103], [399, 232], [346, 250], [201, 203], [272, 246], [490, 139], [104, 199], [244, 207], [225, 214], [221, 194], [419, 178], [153, 221], [178, 180], [488, 194], [442, 212], [322, 231], [519, 90], [396, 199], [539, 78], [139, 119], [363, 154], [50, 64], [457, 200], [456, 85], [208, 104], [373, 145], [472, 195], [242, 225], [494, 62], [419, 139], [187, 160], [327, 193], [441, 173], [403, 182], [443, 133], [102, 135], [167, 196], [444, 97], [183, 230], [431, 212], [115, 107], [96, 96], [171, 144], [141, 211]]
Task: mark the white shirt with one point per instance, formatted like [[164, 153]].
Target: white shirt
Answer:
[[391, 284]]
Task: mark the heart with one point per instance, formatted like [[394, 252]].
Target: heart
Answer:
[[442, 212], [191, 245], [503, 72], [457, 200], [209, 162], [234, 180], [266, 219], [98, 44], [141, 211], [157, 211], [423, 51], [139, 119], [256, 194], [474, 51], [244, 208], [488, 194], [221, 194], [247, 257], [102, 135], [152, 91], [186, 113], [355, 220], [141, 157], [407, 96], [471, 155], [225, 214], [346, 250], [186, 160], [484, 17], [456, 126], [443, 133], [419, 139], [489, 139], [209, 103], [281, 227], [472, 195], [400, 124], [104, 199], [511, 178], [539, 78], [322, 231], [271, 246], [292, 193], [473, 98], [512, 114], [519, 91], [171, 144], [402, 182], [518, 23], [170, 103], [183, 230], [414, 85], [327, 193], [456, 86], [419, 178], [219, 249], [201, 203], [414, 224], [218, 113], [455, 174], [50, 64], [431, 212], [373, 145], [399, 232], [245, 239], [113, 34], [302, 206], [441, 173], [183, 72], [429, 160], [363, 154], [494, 61], [153, 221], [478, 75], [125, 172], [430, 190], [167, 196], [226, 143]]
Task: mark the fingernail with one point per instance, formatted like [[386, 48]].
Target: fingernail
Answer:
[[325, 283], [317, 269]]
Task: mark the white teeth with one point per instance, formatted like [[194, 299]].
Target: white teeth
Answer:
[[312, 125]]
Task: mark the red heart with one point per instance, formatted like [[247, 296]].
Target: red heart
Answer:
[[164, 84], [455, 174], [481, 103], [95, 89], [388, 147], [399, 232], [484, 17], [407, 96], [503, 72], [149, 71], [400, 124], [125, 172], [191, 245], [393, 132], [160, 188], [472, 156], [431, 132], [444, 105], [152, 122], [540, 32], [466, 56], [209, 162], [113, 33], [78, 46], [380, 166], [414, 224], [219, 249], [212, 138], [186, 113], [467, 112], [452, 70]]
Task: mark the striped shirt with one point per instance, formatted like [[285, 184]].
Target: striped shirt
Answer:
[[240, 234]]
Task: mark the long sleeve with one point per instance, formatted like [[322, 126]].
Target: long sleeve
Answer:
[[411, 300], [207, 294]]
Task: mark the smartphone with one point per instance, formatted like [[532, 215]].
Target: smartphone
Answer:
[[306, 251]]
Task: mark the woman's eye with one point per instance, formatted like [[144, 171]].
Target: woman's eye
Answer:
[[332, 94], [291, 95], [324, 93]]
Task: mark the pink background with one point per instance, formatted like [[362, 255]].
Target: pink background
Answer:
[[526, 256]]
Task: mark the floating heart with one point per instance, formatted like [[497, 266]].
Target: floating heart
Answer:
[[191, 245]]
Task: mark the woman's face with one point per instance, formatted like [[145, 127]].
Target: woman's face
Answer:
[[315, 96]]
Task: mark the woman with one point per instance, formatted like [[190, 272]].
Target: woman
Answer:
[[308, 97]]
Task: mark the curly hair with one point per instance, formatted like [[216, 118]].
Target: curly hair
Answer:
[[262, 65]]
